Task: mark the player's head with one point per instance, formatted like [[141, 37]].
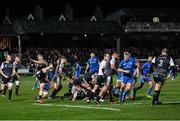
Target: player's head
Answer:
[[115, 55], [63, 60], [39, 57], [107, 56], [8, 58], [150, 58], [164, 51], [17, 59], [126, 55], [92, 55]]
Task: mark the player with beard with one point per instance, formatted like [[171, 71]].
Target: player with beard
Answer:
[[7, 70]]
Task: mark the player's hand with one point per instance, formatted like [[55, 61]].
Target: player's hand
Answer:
[[6, 76], [34, 75], [168, 77], [18, 76], [127, 71]]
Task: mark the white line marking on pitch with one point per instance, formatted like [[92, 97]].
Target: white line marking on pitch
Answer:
[[80, 106]]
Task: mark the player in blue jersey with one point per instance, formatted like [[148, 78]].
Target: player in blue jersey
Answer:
[[78, 69], [92, 67], [127, 68], [172, 71], [145, 77], [92, 64], [116, 88]]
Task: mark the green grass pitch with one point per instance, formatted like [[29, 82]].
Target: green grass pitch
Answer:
[[24, 107]]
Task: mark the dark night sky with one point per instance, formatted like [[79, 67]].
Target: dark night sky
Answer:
[[81, 7]]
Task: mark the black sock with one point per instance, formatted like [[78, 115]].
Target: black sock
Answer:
[[141, 85], [92, 95], [10, 94], [17, 90], [98, 98], [55, 91], [110, 96], [67, 94], [40, 96], [5, 89], [156, 96]]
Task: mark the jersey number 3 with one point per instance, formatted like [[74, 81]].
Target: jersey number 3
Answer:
[[160, 63]]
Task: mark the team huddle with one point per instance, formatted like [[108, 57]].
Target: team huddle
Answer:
[[96, 82]]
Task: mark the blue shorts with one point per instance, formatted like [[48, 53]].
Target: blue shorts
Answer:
[[127, 80], [50, 75], [119, 77], [47, 86], [145, 78]]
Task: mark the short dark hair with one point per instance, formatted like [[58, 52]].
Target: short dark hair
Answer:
[[165, 50]]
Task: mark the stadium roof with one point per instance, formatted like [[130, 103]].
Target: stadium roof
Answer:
[[7, 30], [22, 26]]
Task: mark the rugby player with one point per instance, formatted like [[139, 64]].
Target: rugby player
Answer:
[[16, 76], [145, 77], [59, 76], [127, 68], [7, 70], [160, 73]]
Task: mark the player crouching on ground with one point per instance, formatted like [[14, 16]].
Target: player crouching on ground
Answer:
[[42, 76]]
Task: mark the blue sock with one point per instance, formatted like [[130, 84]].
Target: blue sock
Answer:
[[114, 90], [36, 84], [150, 90], [121, 94], [126, 93]]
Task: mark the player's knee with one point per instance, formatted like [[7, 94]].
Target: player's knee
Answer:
[[17, 83], [2, 86], [9, 86]]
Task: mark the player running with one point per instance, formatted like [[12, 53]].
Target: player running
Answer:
[[59, 76], [127, 68], [16, 76], [160, 73], [42, 77], [7, 70], [40, 64], [107, 78], [145, 77]]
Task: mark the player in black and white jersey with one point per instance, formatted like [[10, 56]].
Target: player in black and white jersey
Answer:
[[58, 77], [16, 76], [108, 84], [7, 70], [40, 64], [160, 73]]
